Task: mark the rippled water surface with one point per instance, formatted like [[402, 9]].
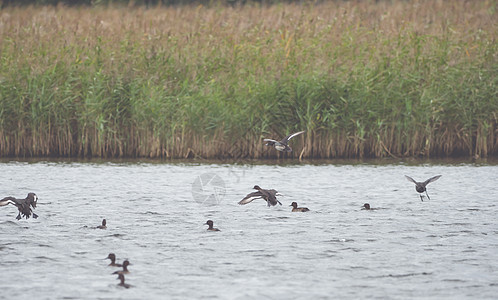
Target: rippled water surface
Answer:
[[446, 247]]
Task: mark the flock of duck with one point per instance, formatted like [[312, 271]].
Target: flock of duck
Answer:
[[121, 273], [25, 206], [112, 257]]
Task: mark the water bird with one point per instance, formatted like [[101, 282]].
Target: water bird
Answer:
[[122, 283], [366, 206], [113, 263], [210, 224], [126, 263], [270, 196], [295, 208], [103, 226], [421, 186], [23, 205], [283, 144]]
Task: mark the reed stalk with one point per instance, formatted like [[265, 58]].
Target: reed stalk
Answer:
[[364, 79]]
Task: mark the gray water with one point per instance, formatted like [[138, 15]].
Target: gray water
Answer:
[[443, 248]]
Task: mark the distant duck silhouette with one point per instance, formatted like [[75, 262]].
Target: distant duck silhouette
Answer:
[[126, 263], [421, 186], [113, 263], [283, 144], [23, 205], [270, 196], [210, 224], [295, 208], [122, 283], [103, 226], [366, 206]]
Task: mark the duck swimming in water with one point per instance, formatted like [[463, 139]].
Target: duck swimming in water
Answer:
[[113, 263], [283, 144], [366, 206], [126, 263], [103, 226], [123, 284], [270, 196], [421, 186], [295, 208], [23, 205], [210, 224]]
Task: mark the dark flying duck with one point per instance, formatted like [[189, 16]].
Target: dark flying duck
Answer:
[[421, 186], [270, 196], [23, 205]]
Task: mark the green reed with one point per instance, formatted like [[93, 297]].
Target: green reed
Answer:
[[363, 80]]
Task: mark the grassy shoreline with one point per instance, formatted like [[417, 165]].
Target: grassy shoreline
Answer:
[[363, 79]]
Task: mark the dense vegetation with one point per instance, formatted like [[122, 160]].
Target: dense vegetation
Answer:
[[364, 79], [148, 3]]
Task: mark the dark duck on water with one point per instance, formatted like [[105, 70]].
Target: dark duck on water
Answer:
[[121, 277], [210, 224], [113, 263], [23, 205], [103, 226], [296, 209], [366, 206], [126, 263], [270, 196], [283, 144], [421, 186]]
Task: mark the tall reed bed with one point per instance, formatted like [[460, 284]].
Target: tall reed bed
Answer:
[[394, 78]]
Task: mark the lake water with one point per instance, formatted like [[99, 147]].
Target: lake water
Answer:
[[443, 248]]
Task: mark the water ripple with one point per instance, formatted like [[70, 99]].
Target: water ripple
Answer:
[[405, 249]]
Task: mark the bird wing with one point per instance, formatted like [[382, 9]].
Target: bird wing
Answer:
[[9, 200], [270, 142], [21, 204], [411, 179], [250, 197], [284, 141], [432, 179], [268, 194]]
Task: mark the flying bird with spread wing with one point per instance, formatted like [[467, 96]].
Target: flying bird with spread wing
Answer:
[[421, 186], [270, 196], [23, 205], [283, 145]]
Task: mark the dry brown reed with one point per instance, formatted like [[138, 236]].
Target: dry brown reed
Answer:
[[364, 79]]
